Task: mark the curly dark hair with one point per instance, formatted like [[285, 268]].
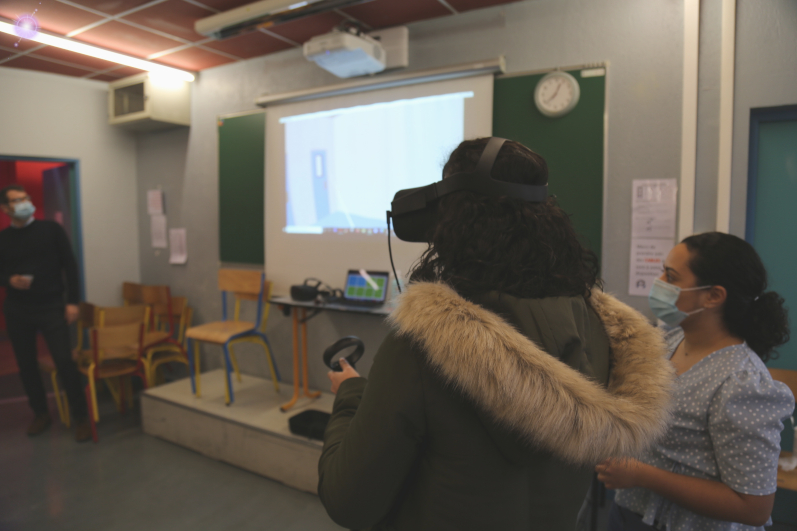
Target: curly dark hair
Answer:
[[524, 249], [750, 312]]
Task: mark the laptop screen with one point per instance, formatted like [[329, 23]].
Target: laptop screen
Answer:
[[366, 286]]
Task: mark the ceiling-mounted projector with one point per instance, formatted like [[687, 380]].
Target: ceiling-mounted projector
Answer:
[[263, 15], [346, 54]]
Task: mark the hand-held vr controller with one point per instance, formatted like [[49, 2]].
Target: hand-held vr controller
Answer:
[[413, 209], [343, 344]]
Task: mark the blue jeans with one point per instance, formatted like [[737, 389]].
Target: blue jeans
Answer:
[[621, 519]]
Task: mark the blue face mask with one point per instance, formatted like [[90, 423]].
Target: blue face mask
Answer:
[[24, 210], [662, 299]]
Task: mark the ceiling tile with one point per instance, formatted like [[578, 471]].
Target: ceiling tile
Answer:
[[31, 63], [304, 29], [194, 59], [249, 45], [225, 5], [127, 39], [174, 17], [125, 71], [12, 42], [52, 16], [79, 59], [386, 13], [104, 77], [112, 7], [5, 54], [467, 5]]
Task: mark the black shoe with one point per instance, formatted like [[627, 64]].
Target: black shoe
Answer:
[[83, 431], [40, 423]]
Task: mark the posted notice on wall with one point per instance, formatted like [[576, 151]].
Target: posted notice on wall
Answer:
[[653, 211], [179, 249], [154, 202], [157, 225]]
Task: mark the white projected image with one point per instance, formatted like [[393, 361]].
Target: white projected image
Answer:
[[342, 167]]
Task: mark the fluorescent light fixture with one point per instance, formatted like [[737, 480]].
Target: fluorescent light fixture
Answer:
[[99, 53]]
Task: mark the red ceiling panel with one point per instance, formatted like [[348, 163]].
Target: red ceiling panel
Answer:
[[112, 7], [31, 63], [52, 16], [386, 13], [250, 45], [125, 71], [5, 54], [104, 77], [12, 42], [304, 29], [78, 59], [194, 59], [467, 5], [174, 17], [127, 39]]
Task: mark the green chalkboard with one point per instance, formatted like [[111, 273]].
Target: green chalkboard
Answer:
[[572, 145], [241, 188]]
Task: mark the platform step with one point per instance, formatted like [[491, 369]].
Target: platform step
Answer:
[[252, 433]]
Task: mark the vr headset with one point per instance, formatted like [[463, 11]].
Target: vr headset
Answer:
[[413, 209]]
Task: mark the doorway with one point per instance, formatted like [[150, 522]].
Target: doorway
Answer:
[[54, 188], [771, 221]]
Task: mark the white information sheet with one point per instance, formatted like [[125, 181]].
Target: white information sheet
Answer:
[[179, 249], [157, 224], [653, 212], [154, 202], [653, 208]]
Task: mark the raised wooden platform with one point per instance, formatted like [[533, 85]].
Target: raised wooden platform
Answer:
[[252, 433]]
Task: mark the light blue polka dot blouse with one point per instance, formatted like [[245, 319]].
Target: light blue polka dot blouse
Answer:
[[727, 417]]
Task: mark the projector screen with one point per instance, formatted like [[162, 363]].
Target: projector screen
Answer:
[[333, 166]]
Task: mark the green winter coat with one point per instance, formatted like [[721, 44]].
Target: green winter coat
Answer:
[[491, 414]]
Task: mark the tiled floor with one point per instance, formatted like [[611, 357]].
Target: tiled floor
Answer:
[[130, 481]]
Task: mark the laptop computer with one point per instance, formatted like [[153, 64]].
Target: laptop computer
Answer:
[[365, 288]]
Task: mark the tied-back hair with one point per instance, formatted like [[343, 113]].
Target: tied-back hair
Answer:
[[524, 249], [751, 313]]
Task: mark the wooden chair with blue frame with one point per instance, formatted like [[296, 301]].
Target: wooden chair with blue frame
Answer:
[[243, 284], [786, 480]]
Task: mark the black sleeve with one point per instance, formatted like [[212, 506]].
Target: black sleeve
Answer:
[[373, 438], [5, 276], [69, 264]]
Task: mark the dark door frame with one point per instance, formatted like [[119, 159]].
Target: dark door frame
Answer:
[[74, 167], [760, 116]]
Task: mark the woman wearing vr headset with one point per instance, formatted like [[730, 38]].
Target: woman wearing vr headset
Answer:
[[716, 469], [492, 398]]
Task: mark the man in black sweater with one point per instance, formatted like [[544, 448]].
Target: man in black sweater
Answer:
[[35, 260]]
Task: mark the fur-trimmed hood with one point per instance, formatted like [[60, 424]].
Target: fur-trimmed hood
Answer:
[[531, 393]]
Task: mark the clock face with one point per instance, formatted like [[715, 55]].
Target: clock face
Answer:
[[556, 94]]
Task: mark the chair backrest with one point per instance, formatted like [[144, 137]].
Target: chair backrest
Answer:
[[247, 284], [131, 293], [240, 281], [115, 342], [179, 307], [121, 315], [158, 298], [786, 376]]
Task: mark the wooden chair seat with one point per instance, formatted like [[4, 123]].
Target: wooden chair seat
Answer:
[[111, 368], [48, 365], [219, 332], [155, 337]]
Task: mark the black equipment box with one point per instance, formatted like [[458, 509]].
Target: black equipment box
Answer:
[[310, 424]]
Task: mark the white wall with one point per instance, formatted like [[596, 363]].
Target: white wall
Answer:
[[47, 115]]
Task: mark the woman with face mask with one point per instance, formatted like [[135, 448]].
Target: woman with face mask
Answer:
[[716, 468]]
